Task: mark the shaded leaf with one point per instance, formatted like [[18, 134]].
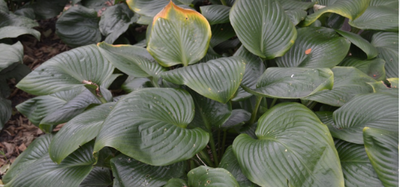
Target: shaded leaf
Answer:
[[296, 15], [295, 4], [98, 177], [375, 110], [381, 87], [217, 79], [176, 183], [132, 83], [267, 20], [388, 49], [5, 111], [132, 60], [147, 8], [80, 130], [382, 148], [357, 169], [360, 42], [348, 82], [10, 54], [213, 177], [67, 70], [149, 125], [10, 19], [221, 33], [15, 31], [374, 68], [378, 18], [238, 117], [345, 8], [178, 36], [78, 26], [316, 47], [292, 83], [216, 14], [293, 148], [129, 172]]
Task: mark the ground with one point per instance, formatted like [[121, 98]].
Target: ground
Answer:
[[19, 132]]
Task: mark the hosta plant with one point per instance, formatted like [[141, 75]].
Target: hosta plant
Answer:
[[232, 93]]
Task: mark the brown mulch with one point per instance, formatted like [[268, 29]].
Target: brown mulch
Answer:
[[19, 132]]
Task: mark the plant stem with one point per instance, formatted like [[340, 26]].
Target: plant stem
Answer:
[[214, 151], [273, 102], [154, 81], [223, 2], [204, 156], [255, 110], [312, 105], [223, 144]]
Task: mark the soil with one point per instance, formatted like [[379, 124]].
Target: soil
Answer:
[[19, 132]]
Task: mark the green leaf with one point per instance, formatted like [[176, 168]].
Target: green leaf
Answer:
[[10, 19], [382, 148], [221, 33], [10, 54], [254, 69], [80, 130], [267, 20], [115, 21], [67, 70], [129, 172], [132, 60], [348, 82], [149, 125], [237, 118], [216, 14], [50, 110], [176, 183], [357, 169], [384, 18], [292, 83], [381, 87], [326, 117], [179, 36], [212, 177], [15, 31], [71, 172], [388, 49], [98, 177], [230, 163], [44, 9], [78, 26], [296, 15], [393, 3], [345, 8], [5, 111], [293, 148], [316, 47], [374, 68], [97, 5], [147, 8], [375, 110], [360, 42], [217, 79], [132, 83], [295, 4]]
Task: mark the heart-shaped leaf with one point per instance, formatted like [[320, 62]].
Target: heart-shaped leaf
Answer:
[[78, 26], [374, 68], [345, 8], [293, 148], [384, 18], [216, 14], [357, 169], [292, 83], [382, 148], [132, 60], [14, 31], [98, 177], [149, 125], [360, 42], [179, 36], [129, 172], [267, 20], [115, 21], [10, 54], [68, 70], [80, 130], [5, 108], [254, 69], [217, 79], [71, 172], [230, 163], [388, 49], [176, 183], [213, 177], [316, 47], [377, 110], [348, 82]]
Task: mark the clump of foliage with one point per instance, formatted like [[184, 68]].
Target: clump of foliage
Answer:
[[234, 93]]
